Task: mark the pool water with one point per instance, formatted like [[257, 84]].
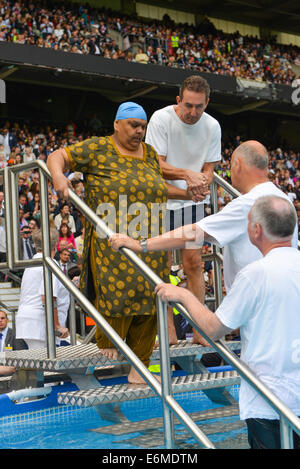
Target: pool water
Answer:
[[138, 425]]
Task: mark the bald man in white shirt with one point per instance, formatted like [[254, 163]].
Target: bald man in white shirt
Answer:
[[227, 228]]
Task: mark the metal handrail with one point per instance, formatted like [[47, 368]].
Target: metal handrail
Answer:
[[164, 390], [288, 420]]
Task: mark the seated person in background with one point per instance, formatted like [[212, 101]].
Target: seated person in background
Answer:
[[33, 225], [8, 342], [22, 220], [34, 207], [64, 260], [27, 249], [141, 57], [65, 213], [62, 245], [23, 205], [66, 234]]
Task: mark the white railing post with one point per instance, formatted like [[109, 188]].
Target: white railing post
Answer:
[[286, 434], [51, 340], [166, 383]]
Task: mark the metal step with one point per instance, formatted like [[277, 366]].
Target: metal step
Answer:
[[152, 424], [89, 355], [9, 291], [218, 423], [128, 392], [11, 302], [5, 285]]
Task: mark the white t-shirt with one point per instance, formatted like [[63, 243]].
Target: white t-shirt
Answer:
[[62, 296], [62, 299], [184, 145], [229, 228], [31, 316], [30, 319], [264, 302]]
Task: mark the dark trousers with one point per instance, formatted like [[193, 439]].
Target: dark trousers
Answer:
[[265, 434]]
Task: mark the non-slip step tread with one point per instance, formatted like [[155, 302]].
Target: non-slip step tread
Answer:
[[126, 392], [152, 424], [89, 355]]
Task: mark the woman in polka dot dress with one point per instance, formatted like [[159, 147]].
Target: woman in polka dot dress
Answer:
[[124, 186]]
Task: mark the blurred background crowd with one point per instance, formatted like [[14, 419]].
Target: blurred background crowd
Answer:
[[84, 30]]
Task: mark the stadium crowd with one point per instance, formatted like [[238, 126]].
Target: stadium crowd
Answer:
[[86, 30]]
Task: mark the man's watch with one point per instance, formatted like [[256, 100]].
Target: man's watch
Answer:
[[143, 243]]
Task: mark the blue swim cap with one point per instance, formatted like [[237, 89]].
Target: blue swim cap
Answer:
[[130, 110]]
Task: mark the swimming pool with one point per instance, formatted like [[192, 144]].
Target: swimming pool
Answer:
[[138, 425]]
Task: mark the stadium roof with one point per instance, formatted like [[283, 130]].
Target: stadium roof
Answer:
[[274, 14]]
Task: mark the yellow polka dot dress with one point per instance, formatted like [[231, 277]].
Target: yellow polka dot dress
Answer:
[[130, 195]]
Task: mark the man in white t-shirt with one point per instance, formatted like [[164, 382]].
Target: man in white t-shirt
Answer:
[[188, 142], [61, 298], [228, 228], [264, 303], [31, 318]]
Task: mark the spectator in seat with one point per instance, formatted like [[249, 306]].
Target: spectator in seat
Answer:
[[8, 342]]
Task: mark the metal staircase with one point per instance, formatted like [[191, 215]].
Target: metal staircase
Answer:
[[128, 392], [84, 365]]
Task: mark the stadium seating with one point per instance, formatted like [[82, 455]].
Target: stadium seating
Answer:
[[83, 30]]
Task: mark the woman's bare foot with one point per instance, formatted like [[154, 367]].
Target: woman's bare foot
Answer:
[[171, 330], [135, 378], [110, 353], [7, 370], [198, 339]]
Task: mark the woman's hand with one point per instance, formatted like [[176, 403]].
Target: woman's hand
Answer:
[[119, 240], [61, 186]]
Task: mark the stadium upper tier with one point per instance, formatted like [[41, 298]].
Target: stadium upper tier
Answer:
[[84, 30]]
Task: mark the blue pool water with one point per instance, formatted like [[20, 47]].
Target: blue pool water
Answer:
[[69, 427]]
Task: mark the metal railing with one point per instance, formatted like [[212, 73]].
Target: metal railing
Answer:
[[288, 420]]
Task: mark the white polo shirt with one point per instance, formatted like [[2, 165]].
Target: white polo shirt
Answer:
[[62, 299], [264, 302], [62, 296], [184, 145], [229, 228], [30, 319]]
